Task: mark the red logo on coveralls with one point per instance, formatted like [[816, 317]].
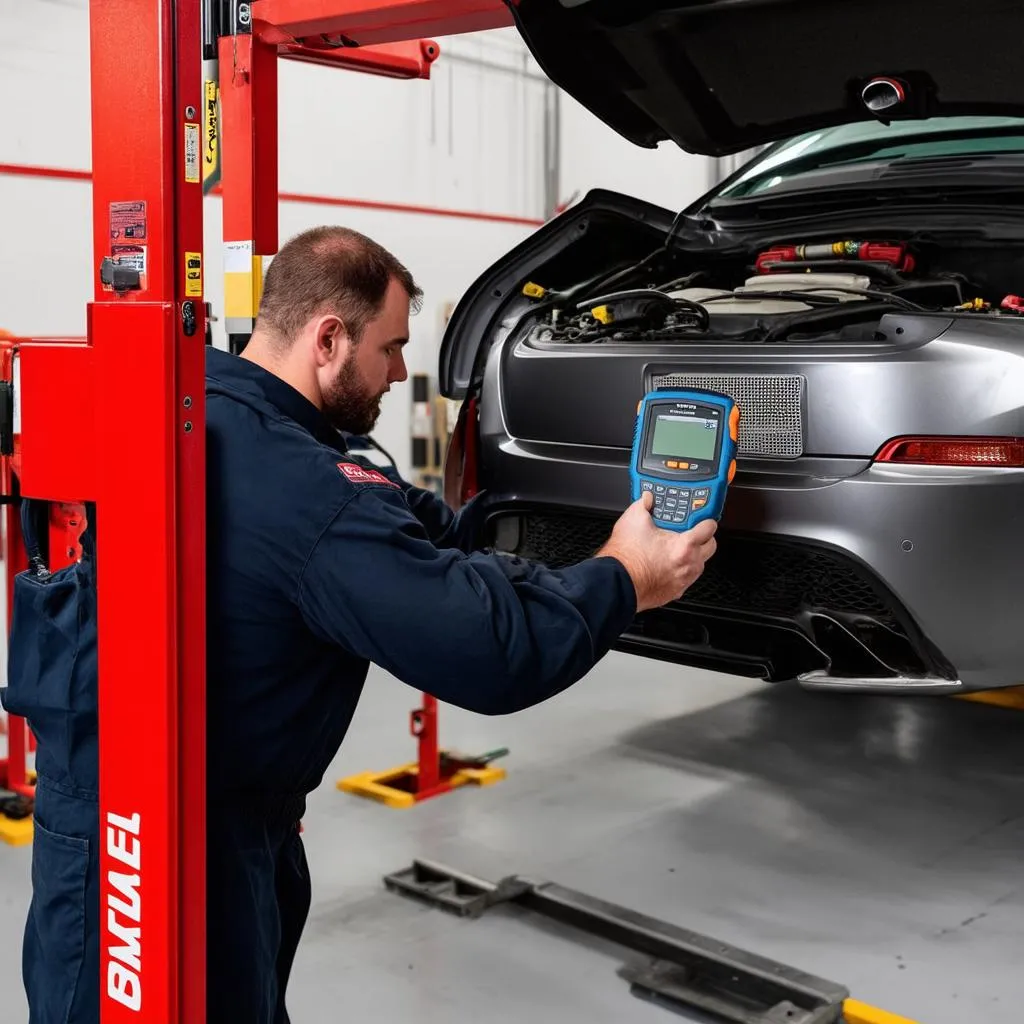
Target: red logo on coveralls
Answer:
[[360, 475]]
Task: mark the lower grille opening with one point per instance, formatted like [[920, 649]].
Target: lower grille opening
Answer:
[[764, 607]]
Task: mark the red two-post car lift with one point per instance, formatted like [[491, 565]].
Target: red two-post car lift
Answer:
[[117, 418]]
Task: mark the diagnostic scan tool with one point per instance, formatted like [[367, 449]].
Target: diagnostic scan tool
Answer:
[[684, 453]]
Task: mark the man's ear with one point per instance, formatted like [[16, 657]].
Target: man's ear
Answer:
[[331, 337]]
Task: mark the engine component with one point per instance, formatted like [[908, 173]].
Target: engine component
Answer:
[[896, 256], [975, 305], [647, 308], [820, 291], [759, 296]]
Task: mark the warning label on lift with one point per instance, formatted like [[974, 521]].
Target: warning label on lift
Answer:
[[194, 274], [134, 256], [192, 145], [210, 152], [128, 220]]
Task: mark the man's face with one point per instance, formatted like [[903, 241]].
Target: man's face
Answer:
[[364, 371]]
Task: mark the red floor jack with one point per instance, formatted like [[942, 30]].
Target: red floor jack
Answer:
[[435, 772]]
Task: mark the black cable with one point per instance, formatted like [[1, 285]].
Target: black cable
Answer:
[[670, 303], [703, 316], [873, 293], [387, 455], [682, 282], [810, 296], [629, 293], [674, 230]]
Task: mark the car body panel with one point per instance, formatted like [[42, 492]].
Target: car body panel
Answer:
[[939, 534], [932, 529], [834, 567], [855, 397], [943, 540], [722, 76]]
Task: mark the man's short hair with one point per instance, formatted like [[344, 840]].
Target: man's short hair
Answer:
[[330, 270]]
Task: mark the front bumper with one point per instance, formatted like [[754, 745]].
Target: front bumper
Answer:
[[848, 574]]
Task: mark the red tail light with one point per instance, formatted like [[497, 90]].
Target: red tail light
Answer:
[[471, 457], [460, 464], [954, 451]]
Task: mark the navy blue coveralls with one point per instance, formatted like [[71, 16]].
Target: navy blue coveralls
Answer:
[[318, 564]]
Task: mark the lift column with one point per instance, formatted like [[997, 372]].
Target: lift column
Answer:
[[118, 419], [248, 91], [150, 487]]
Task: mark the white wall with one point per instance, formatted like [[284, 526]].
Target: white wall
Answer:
[[470, 139], [595, 156]]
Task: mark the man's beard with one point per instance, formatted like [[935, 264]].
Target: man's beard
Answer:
[[350, 405]]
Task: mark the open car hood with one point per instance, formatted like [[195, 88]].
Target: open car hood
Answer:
[[721, 76]]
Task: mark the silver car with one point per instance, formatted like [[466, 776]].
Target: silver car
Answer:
[[857, 288]]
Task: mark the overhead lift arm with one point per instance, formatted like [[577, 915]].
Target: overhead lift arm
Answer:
[[376, 37], [369, 22]]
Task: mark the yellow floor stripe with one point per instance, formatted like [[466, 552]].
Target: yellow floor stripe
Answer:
[[855, 1012], [1010, 697]]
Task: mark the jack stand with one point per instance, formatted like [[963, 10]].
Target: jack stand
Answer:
[[435, 772]]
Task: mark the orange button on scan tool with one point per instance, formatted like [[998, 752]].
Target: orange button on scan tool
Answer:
[[734, 423], [672, 465], [732, 470]]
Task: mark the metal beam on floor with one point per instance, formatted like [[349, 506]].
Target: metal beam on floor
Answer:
[[687, 970]]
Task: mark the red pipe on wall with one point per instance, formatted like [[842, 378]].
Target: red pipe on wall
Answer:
[[28, 171], [68, 174]]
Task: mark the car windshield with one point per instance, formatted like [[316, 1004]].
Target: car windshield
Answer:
[[873, 142]]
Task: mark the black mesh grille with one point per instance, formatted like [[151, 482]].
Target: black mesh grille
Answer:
[[558, 541], [747, 574]]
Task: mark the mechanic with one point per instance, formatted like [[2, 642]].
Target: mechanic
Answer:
[[319, 563]]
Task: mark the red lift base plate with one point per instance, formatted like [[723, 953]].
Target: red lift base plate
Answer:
[[397, 787]]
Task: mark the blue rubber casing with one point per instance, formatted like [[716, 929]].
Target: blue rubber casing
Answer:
[[688, 486]]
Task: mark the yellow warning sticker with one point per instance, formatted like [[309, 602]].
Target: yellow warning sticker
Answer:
[[194, 275], [192, 153], [211, 147]]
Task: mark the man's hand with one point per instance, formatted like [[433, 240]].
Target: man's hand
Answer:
[[663, 564]]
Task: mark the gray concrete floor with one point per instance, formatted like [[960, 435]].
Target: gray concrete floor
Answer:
[[876, 842]]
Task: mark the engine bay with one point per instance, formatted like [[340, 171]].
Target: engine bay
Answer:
[[801, 292]]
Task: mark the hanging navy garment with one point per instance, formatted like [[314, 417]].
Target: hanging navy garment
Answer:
[[51, 682]]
